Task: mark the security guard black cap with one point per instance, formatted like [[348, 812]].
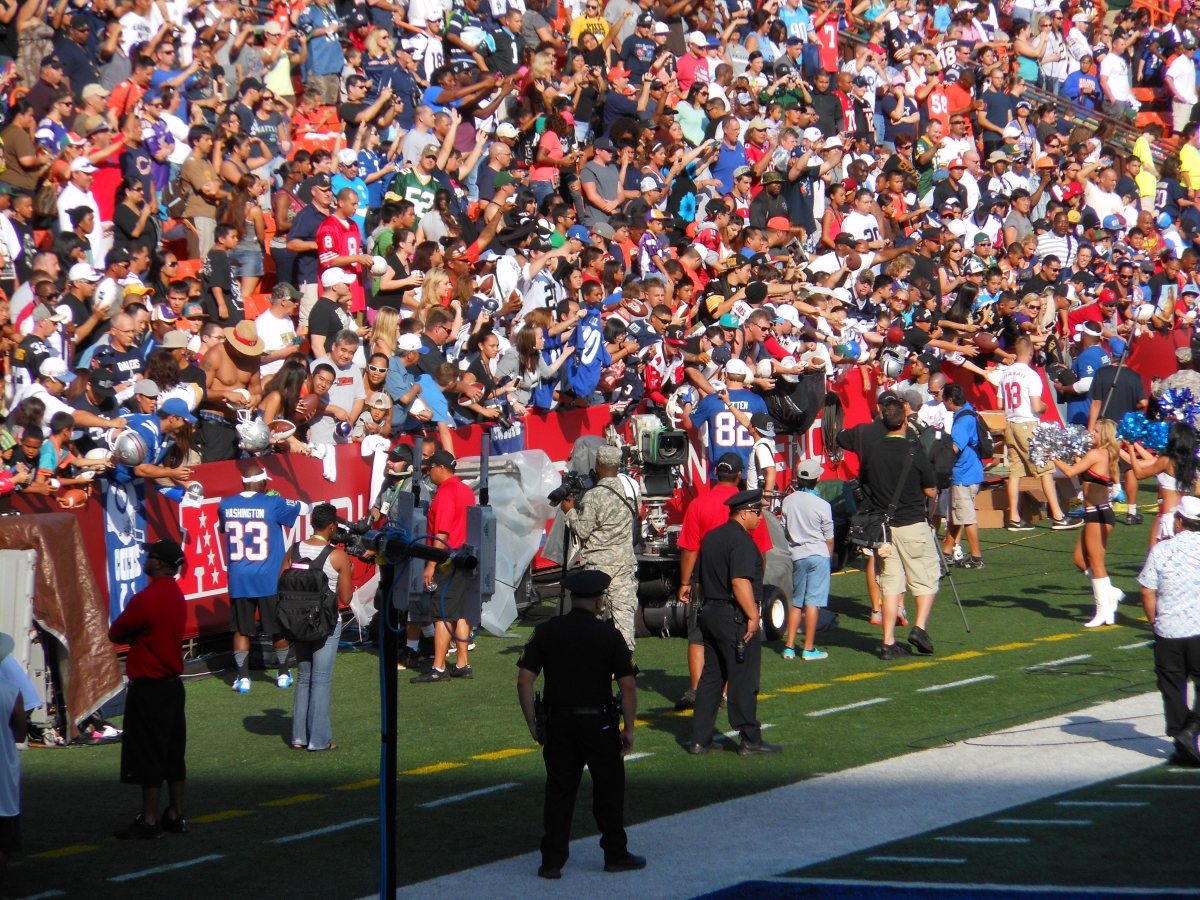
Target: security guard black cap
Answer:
[[744, 500], [588, 583], [729, 463]]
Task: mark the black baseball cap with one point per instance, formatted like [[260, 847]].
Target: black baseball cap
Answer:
[[729, 463], [103, 383], [168, 552], [442, 458], [401, 453]]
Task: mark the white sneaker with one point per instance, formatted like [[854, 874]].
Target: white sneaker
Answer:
[[284, 680], [242, 686], [958, 554]]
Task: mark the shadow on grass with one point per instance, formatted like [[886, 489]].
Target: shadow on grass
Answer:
[[272, 723]]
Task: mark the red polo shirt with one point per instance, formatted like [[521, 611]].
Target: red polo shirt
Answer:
[[708, 512], [152, 624], [448, 511]]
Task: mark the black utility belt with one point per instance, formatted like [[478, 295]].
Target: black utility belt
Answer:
[[578, 710]]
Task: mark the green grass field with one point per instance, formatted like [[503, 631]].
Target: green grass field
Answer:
[[247, 788]]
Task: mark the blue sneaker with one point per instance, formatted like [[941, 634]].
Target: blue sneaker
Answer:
[[813, 654], [789, 653], [242, 686], [284, 681]]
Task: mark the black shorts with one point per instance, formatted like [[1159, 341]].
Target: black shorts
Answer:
[[216, 441], [241, 615], [10, 834], [1102, 514], [155, 737], [449, 601]]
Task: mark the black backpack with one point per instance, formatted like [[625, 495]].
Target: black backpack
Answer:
[[984, 448], [940, 449], [307, 609]]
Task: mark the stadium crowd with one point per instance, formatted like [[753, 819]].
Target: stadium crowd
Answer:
[[359, 221]]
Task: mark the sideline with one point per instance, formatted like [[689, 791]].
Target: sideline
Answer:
[[833, 815]]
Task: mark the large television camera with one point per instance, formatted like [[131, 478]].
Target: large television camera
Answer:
[[391, 544], [573, 485]]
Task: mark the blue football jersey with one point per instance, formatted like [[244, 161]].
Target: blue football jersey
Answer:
[[253, 527], [148, 427], [725, 433], [591, 354]]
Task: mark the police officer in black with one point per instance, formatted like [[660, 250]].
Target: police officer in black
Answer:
[[731, 576], [581, 656]]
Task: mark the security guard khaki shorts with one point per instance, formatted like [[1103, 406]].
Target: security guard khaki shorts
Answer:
[[962, 504], [1016, 436], [913, 562]]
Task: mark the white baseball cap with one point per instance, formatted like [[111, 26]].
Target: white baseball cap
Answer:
[[507, 130], [787, 313], [82, 272], [56, 367], [347, 157], [813, 134], [1188, 508], [410, 342], [738, 368], [336, 275], [82, 164], [662, 28], [698, 39]]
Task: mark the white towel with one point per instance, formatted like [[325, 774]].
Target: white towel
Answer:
[[376, 445], [328, 456]]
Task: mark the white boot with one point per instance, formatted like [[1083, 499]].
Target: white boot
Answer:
[[1116, 593], [1105, 605]]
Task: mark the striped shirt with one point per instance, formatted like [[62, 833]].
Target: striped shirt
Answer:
[[1064, 247]]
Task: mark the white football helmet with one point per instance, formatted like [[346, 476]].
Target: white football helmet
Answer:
[[891, 365]]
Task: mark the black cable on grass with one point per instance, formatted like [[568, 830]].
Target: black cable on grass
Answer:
[[945, 739]]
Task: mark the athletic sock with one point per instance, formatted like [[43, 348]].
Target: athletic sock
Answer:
[[241, 659], [427, 631], [413, 645], [281, 656]]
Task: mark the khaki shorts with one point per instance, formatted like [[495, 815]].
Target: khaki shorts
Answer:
[[309, 294], [1016, 436], [914, 562], [962, 504]]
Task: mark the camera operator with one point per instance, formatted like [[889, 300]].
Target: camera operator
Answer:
[[447, 521], [896, 470], [604, 524]]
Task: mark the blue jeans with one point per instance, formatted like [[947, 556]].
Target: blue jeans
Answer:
[[810, 581], [541, 190], [314, 675]]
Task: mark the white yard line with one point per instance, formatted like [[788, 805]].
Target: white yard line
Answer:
[[956, 839], [442, 801], [1042, 821], [170, 867], [317, 832], [849, 706], [818, 819], [732, 734], [1100, 803], [954, 684], [632, 756], [1059, 662], [921, 860], [1138, 646]]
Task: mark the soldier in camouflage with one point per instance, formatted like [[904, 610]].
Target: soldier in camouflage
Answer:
[[604, 524]]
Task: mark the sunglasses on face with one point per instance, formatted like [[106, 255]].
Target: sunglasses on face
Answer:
[[377, 370]]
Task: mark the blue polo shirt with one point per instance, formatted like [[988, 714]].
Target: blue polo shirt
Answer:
[[968, 469], [729, 160]]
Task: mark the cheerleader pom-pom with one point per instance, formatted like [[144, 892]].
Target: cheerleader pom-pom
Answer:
[[1045, 443], [1179, 404], [1076, 443], [1156, 436], [1132, 427]]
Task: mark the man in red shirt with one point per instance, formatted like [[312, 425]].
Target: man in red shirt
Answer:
[[702, 516], [155, 737], [448, 522], [339, 244]]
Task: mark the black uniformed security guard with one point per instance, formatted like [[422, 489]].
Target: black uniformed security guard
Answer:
[[731, 575], [581, 656]]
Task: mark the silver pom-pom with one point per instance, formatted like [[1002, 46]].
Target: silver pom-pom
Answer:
[[1051, 441]]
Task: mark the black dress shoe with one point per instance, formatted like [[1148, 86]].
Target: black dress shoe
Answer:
[[760, 749], [701, 749], [1181, 759], [1186, 743], [894, 651], [549, 872], [919, 639], [627, 863]]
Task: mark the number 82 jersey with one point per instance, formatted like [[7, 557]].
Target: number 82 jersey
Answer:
[[253, 526], [725, 433]]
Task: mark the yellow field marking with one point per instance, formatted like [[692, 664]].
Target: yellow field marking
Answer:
[[682, 712], [1059, 637], [511, 751], [358, 785], [1018, 645], [912, 665], [65, 851], [968, 654], [290, 801], [859, 676], [765, 696], [436, 767], [801, 688], [221, 816]]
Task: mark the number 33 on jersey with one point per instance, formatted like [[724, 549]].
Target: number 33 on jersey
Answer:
[[253, 527]]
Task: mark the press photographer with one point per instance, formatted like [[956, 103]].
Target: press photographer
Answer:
[[604, 524]]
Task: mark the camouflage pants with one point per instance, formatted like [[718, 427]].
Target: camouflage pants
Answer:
[[620, 600]]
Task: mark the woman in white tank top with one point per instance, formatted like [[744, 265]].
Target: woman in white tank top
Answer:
[[1174, 469]]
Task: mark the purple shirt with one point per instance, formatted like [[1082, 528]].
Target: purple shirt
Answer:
[[155, 136]]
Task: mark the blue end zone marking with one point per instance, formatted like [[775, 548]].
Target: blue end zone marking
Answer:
[[891, 890]]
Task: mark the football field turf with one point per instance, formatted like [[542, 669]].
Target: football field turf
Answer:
[[267, 819]]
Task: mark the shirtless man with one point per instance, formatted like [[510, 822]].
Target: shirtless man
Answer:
[[233, 383]]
